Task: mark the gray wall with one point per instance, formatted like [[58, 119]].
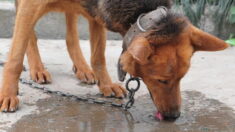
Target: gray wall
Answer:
[[50, 26], [7, 18], [53, 26]]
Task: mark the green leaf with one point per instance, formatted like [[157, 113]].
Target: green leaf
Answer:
[[231, 41], [232, 15]]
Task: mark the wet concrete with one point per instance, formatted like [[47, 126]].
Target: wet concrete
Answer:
[[199, 113], [60, 114]]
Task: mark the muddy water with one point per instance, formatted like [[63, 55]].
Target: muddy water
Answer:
[[58, 114]]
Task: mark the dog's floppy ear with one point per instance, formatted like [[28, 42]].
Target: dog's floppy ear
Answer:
[[203, 41], [140, 49]]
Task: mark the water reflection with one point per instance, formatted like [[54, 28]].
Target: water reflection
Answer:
[[63, 115]]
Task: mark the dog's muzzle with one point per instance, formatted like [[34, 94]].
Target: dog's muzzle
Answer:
[[144, 23]]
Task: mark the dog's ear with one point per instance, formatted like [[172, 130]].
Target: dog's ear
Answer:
[[140, 49], [203, 41]]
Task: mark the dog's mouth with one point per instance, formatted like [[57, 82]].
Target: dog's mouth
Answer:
[[159, 116]]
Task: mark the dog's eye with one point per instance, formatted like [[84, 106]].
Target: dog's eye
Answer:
[[163, 81]]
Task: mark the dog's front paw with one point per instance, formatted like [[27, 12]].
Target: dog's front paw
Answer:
[[85, 75], [113, 88], [8, 102], [41, 76]]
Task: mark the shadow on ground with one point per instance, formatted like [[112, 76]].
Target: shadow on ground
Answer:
[[199, 114]]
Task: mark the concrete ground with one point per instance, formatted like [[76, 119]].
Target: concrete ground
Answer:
[[208, 92]]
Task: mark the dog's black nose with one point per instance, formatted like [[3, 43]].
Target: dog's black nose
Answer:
[[171, 116]]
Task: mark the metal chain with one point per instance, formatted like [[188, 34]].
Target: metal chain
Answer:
[[86, 98], [97, 99], [131, 91], [89, 98]]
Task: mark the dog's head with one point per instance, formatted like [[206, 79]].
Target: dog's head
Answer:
[[161, 57]]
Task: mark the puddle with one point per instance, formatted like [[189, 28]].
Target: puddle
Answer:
[[58, 114]]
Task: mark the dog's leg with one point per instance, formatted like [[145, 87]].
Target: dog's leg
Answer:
[[28, 13], [81, 68], [37, 71], [98, 43]]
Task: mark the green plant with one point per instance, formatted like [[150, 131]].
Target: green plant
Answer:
[[231, 40], [222, 13], [232, 15], [194, 9]]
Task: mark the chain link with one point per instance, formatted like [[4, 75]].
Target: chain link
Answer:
[[89, 98], [131, 91], [97, 99]]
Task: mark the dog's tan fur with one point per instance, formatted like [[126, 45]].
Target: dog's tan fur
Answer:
[[32, 10], [39, 74], [160, 60], [163, 63]]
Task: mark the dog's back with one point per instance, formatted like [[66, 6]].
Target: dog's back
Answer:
[[119, 15]]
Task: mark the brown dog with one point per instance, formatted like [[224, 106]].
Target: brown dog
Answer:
[[160, 56], [37, 71]]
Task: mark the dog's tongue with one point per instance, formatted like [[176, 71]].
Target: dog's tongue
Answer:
[[159, 116]]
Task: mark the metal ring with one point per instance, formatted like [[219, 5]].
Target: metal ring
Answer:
[[163, 7], [133, 79], [138, 23]]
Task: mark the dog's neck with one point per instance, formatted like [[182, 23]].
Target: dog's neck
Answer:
[[118, 16], [144, 22]]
